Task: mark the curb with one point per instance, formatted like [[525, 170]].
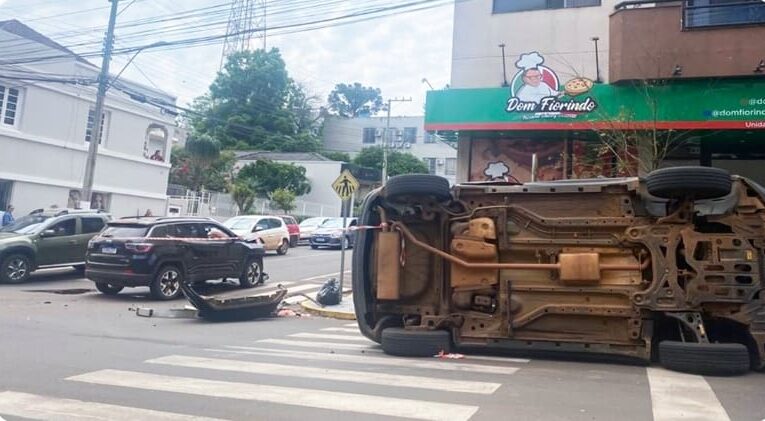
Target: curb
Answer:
[[310, 307]]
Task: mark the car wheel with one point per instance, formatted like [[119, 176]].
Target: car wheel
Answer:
[[418, 185], [282, 250], [691, 182], [253, 274], [715, 359], [16, 269], [108, 289], [415, 343], [314, 247], [167, 283], [294, 240]]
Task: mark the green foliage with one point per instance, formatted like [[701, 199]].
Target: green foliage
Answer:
[[337, 156], [284, 199], [243, 196], [354, 100], [264, 177], [201, 164], [398, 162], [253, 104]]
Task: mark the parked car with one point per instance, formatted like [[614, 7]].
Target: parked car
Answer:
[[667, 267], [332, 234], [308, 226], [47, 238], [293, 228], [163, 252], [271, 230]]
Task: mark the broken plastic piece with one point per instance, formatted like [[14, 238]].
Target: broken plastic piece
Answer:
[[449, 356]]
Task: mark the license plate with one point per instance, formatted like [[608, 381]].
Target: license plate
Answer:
[[109, 250], [320, 240]]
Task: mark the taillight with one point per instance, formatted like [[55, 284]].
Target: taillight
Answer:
[[139, 247]]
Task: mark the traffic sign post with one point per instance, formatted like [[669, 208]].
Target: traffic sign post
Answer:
[[345, 186]]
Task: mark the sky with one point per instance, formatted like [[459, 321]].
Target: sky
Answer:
[[391, 53]]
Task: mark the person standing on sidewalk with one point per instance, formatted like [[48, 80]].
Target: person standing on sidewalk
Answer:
[[7, 216]]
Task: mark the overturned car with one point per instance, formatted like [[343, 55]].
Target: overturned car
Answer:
[[666, 268]]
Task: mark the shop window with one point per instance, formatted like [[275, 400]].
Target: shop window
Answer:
[[155, 144], [509, 6], [92, 121], [451, 166], [410, 135], [10, 103], [369, 135]]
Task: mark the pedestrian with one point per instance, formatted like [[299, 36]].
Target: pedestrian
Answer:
[[8, 216]]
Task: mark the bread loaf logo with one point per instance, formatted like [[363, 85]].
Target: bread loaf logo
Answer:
[[537, 89]]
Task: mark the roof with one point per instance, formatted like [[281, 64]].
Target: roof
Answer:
[[279, 156], [17, 28], [150, 220]]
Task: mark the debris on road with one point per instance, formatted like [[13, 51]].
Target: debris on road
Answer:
[[329, 293], [449, 356], [230, 308]]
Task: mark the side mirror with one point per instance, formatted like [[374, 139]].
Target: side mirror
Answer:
[[48, 233], [257, 228]]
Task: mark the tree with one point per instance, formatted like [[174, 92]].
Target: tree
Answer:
[[243, 196], [284, 199], [201, 164], [264, 177], [354, 100], [398, 162], [254, 103], [337, 156]]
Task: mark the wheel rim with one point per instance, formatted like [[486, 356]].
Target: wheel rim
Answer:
[[169, 283], [17, 269], [283, 248], [253, 273]]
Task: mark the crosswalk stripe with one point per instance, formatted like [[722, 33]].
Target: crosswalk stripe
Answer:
[[311, 344], [679, 396], [447, 365], [356, 325], [341, 329], [39, 407], [338, 401], [304, 335], [365, 377]]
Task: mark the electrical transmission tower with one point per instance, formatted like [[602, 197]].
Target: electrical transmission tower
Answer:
[[246, 27]]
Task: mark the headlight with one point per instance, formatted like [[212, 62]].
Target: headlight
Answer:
[[337, 234]]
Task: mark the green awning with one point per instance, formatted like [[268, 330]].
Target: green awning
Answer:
[[681, 105]]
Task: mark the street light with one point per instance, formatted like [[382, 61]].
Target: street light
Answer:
[[597, 60]]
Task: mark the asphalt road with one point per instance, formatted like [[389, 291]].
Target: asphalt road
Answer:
[[82, 355]]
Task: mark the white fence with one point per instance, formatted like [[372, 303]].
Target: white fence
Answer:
[[222, 206]]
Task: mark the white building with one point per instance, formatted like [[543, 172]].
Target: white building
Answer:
[[561, 30], [46, 127], [407, 134]]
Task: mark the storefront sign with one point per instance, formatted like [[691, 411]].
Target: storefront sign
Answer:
[[536, 91]]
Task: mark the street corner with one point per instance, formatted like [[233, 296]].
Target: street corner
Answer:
[[342, 311]]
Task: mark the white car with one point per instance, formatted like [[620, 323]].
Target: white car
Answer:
[[270, 230], [308, 226]]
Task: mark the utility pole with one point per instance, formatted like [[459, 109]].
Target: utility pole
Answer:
[[103, 85], [385, 139], [597, 60]]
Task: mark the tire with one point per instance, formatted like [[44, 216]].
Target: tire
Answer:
[[692, 182], [314, 247], [414, 185], [415, 343], [108, 289], [294, 240], [283, 248], [714, 359], [15, 269], [167, 283], [253, 273]]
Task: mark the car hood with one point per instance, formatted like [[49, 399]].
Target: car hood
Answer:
[[327, 231], [10, 236]]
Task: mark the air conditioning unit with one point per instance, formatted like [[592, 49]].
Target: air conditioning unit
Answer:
[[441, 162]]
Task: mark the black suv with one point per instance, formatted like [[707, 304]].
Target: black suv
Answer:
[[163, 252]]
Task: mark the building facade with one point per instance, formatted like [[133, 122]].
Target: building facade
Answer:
[[673, 83], [406, 134], [47, 100]]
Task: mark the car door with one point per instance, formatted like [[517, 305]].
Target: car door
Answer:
[[263, 229], [194, 259], [57, 243], [89, 227], [276, 231], [221, 258]]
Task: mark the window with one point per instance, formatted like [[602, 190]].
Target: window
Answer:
[[189, 231], [430, 137], [274, 223], [91, 225], [410, 134], [508, 6], [9, 105], [369, 135], [451, 166], [161, 231], [431, 163], [703, 13], [63, 228], [91, 122]]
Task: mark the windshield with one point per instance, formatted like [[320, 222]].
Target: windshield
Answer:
[[28, 224], [125, 231], [312, 222], [240, 224], [334, 223]]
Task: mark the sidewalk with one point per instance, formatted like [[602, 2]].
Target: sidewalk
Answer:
[[342, 311]]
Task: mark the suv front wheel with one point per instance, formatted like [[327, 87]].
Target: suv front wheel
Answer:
[[253, 274], [167, 283], [15, 269]]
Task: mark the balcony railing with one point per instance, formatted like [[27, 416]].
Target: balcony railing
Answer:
[[702, 14]]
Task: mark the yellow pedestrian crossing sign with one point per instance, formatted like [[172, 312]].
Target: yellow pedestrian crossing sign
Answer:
[[345, 185]]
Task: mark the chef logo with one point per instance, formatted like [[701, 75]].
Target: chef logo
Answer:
[[537, 89]]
